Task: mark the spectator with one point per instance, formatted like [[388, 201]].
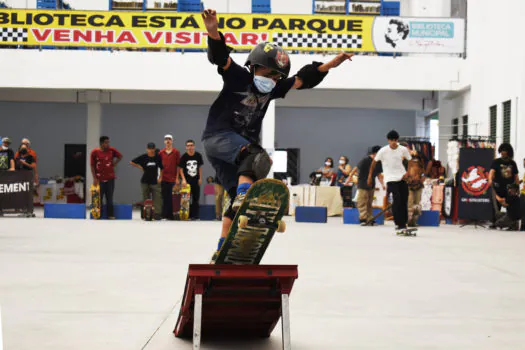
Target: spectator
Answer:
[[103, 162], [219, 199], [343, 171], [503, 172], [151, 165], [191, 173], [7, 156], [391, 157], [415, 178], [30, 151], [327, 172], [24, 160], [170, 176], [365, 191]]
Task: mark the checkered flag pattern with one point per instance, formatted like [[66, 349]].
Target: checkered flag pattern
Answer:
[[13, 35], [319, 41]]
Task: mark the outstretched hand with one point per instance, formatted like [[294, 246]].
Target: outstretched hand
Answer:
[[212, 24], [336, 61]]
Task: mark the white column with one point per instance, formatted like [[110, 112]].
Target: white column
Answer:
[[268, 132], [93, 129]]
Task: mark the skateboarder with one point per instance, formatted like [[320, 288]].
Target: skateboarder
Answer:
[[365, 193], [511, 218], [503, 172], [151, 165], [391, 157], [103, 162], [231, 136], [170, 175], [191, 174]]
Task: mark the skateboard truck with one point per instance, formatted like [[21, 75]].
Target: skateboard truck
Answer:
[[234, 301]]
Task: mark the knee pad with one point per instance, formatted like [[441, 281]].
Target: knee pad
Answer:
[[254, 162], [227, 210]]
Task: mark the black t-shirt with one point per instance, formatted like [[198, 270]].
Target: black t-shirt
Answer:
[[6, 155], [240, 107], [151, 166], [506, 171], [190, 166], [27, 158], [364, 169]]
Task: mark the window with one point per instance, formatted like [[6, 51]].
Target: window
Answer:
[[506, 121], [465, 125], [493, 122], [455, 127]]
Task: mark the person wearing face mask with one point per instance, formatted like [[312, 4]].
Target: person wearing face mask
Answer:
[[231, 137], [7, 157], [343, 171], [24, 160], [327, 171], [503, 172]]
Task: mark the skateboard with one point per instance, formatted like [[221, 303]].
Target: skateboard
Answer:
[[407, 232], [147, 210], [371, 222], [255, 224], [95, 201], [185, 199]]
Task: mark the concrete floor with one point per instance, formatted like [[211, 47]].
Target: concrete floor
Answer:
[[80, 284]]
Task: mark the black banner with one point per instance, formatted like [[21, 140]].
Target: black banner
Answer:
[[475, 196], [16, 190]]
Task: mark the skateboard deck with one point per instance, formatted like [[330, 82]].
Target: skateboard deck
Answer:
[[408, 232], [147, 210], [185, 199], [371, 221], [255, 223], [95, 201]]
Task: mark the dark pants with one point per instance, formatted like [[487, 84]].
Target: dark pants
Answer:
[[167, 201], [195, 197], [106, 190], [399, 190], [522, 208]]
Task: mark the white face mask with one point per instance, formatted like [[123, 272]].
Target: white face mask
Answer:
[[327, 163], [342, 162], [263, 84]]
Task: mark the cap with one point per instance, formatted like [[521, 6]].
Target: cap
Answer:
[[151, 145], [168, 136], [6, 140]]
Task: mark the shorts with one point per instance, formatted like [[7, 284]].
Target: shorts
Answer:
[[222, 150]]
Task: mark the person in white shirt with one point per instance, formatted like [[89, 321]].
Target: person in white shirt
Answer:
[[394, 172]]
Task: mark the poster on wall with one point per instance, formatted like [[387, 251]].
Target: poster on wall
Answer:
[[186, 30], [475, 196], [419, 35]]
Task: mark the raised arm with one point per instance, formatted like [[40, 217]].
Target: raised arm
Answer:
[[218, 52], [312, 74]]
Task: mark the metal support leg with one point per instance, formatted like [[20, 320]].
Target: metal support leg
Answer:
[[197, 318], [285, 321]]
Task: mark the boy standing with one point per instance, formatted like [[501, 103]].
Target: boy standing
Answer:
[[151, 165], [191, 174], [231, 136], [103, 162], [170, 175], [391, 157]]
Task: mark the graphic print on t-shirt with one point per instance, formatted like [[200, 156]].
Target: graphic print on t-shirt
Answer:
[[506, 171], [249, 112], [192, 167]]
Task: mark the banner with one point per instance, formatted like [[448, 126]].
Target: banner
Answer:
[[419, 35], [475, 194], [185, 30], [16, 190]]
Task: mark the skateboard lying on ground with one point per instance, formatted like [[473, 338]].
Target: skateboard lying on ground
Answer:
[[147, 210], [407, 232], [255, 223], [185, 199], [95, 201]]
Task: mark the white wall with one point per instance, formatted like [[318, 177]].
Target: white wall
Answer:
[[292, 7], [425, 8], [21, 4], [157, 71]]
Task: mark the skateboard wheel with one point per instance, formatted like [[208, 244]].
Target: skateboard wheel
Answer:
[[243, 221], [281, 226]]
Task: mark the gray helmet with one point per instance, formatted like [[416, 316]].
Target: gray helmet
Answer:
[[270, 55]]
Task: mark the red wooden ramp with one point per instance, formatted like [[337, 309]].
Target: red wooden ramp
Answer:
[[235, 301]]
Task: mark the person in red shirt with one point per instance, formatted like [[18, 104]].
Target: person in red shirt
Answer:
[[103, 162], [170, 176]]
